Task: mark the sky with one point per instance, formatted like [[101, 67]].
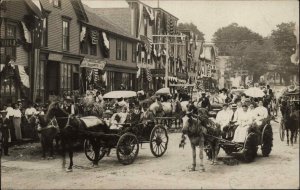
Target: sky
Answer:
[[259, 16]]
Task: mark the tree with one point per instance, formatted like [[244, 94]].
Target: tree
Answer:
[[284, 42], [192, 27]]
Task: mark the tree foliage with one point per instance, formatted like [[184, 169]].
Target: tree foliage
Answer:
[[250, 51], [191, 26], [233, 38]]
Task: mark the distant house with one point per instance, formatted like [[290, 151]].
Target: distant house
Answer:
[[112, 58], [144, 22]]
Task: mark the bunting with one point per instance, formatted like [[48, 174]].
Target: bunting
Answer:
[[23, 76], [94, 36], [149, 75], [27, 33], [82, 33]]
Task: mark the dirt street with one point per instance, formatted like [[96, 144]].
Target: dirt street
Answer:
[[25, 169]]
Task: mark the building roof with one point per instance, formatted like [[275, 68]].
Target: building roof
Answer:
[[105, 24], [120, 16]]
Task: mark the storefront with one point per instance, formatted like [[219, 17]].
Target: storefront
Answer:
[[55, 75], [117, 75]]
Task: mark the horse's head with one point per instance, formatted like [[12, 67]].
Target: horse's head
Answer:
[[186, 121], [54, 110], [176, 107]]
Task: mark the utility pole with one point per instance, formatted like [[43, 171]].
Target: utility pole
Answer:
[[167, 62], [157, 3]]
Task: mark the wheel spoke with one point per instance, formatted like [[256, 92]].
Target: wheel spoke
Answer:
[[163, 146]]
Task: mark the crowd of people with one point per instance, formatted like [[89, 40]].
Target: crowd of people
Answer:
[[244, 111]]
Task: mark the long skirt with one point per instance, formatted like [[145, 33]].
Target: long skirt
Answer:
[[240, 133], [17, 126]]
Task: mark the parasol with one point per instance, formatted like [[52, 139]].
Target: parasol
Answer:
[[120, 94], [237, 91], [163, 91], [254, 92]]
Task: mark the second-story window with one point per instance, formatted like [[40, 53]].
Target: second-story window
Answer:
[[124, 51], [119, 50], [57, 3], [93, 49], [44, 41], [133, 53], [11, 34], [66, 35]]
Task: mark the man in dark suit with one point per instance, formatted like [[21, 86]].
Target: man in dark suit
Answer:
[[4, 124]]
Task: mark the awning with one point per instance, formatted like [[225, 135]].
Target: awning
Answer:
[[93, 63]]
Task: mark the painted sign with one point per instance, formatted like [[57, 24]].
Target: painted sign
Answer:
[[93, 64]]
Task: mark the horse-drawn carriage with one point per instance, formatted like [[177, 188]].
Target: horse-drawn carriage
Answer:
[[290, 114], [257, 136], [126, 141], [127, 138]]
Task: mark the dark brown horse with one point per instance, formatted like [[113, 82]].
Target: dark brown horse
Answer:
[[48, 132], [71, 129], [291, 122]]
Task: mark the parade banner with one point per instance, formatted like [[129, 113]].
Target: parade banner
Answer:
[[93, 64]]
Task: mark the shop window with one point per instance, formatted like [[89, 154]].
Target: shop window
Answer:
[[119, 50], [56, 3], [66, 35], [134, 53], [11, 34], [66, 76], [44, 41], [124, 51]]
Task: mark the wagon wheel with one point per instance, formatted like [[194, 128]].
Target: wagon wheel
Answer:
[[127, 148], [267, 140], [90, 153], [250, 148], [159, 141], [282, 130]]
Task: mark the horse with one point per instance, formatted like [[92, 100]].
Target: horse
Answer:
[[72, 128], [196, 127], [167, 109], [291, 123], [48, 132]]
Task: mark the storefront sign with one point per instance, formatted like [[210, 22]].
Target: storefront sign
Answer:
[[9, 43], [55, 57], [93, 64]]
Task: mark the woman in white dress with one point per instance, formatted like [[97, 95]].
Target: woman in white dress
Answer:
[[244, 122]]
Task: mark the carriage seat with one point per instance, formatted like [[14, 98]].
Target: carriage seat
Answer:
[[91, 121]]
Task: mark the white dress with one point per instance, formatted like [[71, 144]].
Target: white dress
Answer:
[[223, 118], [241, 131]]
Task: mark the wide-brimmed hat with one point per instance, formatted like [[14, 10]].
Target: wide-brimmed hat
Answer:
[[3, 111], [68, 98], [233, 106], [225, 105]]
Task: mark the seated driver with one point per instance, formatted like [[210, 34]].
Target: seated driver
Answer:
[[119, 118], [224, 116], [243, 122]]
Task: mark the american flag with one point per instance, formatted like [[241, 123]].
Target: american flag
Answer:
[[147, 43], [149, 75]]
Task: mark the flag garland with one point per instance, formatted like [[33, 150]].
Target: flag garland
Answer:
[[149, 75]]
